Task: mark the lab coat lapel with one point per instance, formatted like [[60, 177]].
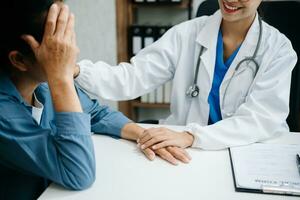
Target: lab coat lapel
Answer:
[[207, 38], [246, 50]]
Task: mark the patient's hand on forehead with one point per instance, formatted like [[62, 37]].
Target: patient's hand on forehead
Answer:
[[57, 53]]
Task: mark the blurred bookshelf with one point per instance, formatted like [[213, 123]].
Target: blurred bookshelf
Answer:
[[132, 18]]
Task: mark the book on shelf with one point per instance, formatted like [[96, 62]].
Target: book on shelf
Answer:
[[160, 95]]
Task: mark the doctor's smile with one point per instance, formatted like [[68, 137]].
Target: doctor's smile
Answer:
[[230, 7]]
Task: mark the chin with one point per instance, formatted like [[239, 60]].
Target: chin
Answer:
[[235, 13], [235, 18], [231, 18]]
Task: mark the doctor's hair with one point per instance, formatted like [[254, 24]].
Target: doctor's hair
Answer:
[[19, 17]]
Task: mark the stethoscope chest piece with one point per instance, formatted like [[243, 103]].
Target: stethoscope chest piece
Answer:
[[193, 91]]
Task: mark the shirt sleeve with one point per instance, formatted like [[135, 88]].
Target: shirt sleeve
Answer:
[[149, 69], [264, 113], [103, 119], [63, 153]]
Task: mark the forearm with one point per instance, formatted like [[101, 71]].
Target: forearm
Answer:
[[63, 154], [64, 95], [135, 79]]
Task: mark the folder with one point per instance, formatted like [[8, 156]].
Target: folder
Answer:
[[160, 95], [161, 30], [152, 97], [145, 98], [136, 38], [266, 168], [167, 92], [149, 36], [138, 1]]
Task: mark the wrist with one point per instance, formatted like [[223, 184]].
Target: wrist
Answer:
[[189, 139], [64, 95], [60, 80], [132, 131]]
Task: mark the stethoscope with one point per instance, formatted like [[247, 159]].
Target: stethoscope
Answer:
[[193, 91]]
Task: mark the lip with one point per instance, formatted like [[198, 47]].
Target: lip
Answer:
[[230, 8]]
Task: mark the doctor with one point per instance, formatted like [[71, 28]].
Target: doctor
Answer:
[[231, 77]]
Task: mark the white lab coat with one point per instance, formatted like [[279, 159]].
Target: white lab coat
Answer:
[[246, 119]]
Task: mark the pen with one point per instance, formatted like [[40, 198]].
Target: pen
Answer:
[[298, 163]]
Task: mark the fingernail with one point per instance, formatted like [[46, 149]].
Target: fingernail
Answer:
[[154, 147], [143, 146], [138, 140], [66, 6], [152, 157], [54, 6]]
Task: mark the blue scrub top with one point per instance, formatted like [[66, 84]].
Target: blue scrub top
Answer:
[[221, 69]]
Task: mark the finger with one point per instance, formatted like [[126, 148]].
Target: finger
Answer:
[[164, 154], [154, 140], [149, 135], [62, 21], [185, 153], [31, 41], [70, 27], [144, 134], [144, 139], [164, 144], [177, 153], [51, 20], [74, 40], [149, 154]]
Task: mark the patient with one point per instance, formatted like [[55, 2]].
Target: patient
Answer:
[[45, 128]]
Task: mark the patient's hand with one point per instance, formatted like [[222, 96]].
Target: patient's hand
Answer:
[[170, 154], [132, 131], [57, 53]]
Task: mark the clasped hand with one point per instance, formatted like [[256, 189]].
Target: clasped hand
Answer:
[[166, 143]]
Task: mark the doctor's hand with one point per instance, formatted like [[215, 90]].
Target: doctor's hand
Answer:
[[169, 154], [157, 138], [76, 71]]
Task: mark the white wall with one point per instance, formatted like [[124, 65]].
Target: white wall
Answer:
[[96, 31]]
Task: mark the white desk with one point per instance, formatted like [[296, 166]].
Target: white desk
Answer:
[[123, 173]]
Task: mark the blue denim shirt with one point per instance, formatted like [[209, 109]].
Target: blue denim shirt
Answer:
[[59, 149]]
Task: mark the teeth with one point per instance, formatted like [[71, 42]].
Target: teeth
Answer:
[[230, 7]]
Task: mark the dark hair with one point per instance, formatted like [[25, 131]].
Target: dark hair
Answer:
[[20, 17]]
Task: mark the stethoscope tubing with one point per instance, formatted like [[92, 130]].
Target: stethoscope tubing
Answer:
[[249, 59]]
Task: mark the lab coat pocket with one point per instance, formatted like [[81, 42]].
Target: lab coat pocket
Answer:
[[240, 101]]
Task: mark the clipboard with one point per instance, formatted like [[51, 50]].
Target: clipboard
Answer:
[[264, 185]]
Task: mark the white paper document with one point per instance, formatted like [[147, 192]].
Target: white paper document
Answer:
[[261, 165]]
